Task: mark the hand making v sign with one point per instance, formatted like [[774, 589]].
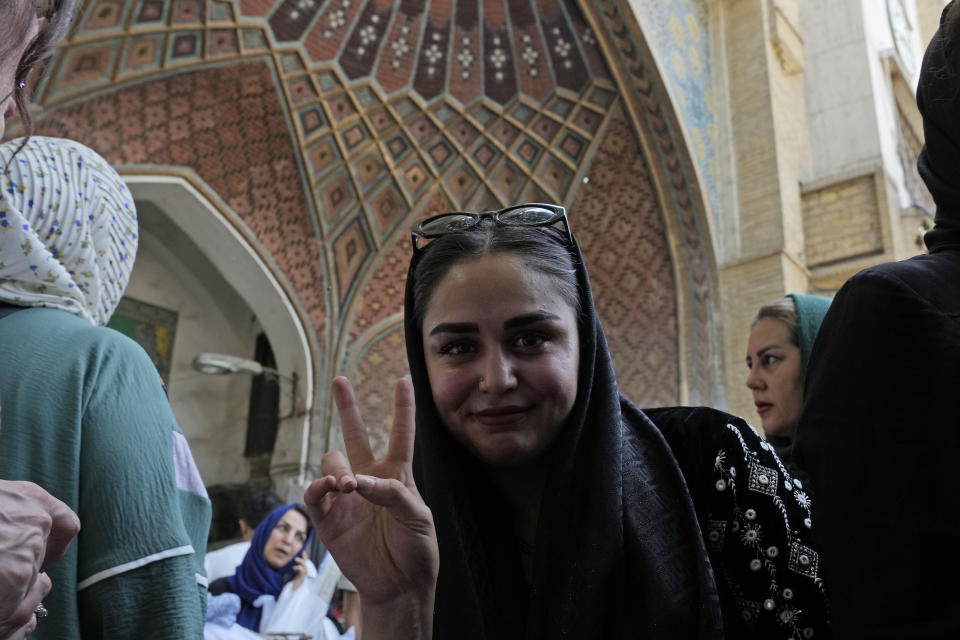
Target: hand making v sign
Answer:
[[371, 517]]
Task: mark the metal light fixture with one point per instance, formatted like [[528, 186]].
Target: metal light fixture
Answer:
[[222, 364]]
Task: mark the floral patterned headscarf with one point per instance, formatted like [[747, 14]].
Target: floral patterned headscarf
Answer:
[[68, 229]]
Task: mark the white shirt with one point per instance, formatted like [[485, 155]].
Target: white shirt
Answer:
[[224, 562]]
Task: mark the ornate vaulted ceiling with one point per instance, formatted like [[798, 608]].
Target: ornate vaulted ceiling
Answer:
[[324, 128]]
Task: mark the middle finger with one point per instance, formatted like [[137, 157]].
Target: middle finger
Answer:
[[355, 436], [402, 433]]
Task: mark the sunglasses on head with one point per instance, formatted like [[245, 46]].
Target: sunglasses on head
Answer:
[[532, 214]]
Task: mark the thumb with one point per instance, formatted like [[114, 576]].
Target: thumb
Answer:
[[397, 498]]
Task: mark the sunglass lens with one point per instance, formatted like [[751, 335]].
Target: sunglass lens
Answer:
[[529, 216], [447, 224]]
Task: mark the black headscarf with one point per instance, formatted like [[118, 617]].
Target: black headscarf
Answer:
[[618, 551], [938, 98]]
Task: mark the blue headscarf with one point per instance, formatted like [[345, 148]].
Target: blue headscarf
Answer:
[[254, 577]]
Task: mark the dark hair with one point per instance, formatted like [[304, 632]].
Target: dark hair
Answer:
[[540, 248], [302, 510], [257, 506], [57, 14]]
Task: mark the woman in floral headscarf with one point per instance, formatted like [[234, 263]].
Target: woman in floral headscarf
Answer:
[[36, 527], [84, 413], [69, 232]]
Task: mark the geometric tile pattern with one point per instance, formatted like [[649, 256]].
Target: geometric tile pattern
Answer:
[[227, 127], [679, 192], [407, 116], [679, 31], [382, 361], [617, 221], [328, 126]]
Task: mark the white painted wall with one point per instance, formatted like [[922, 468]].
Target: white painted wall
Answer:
[[840, 89], [851, 111], [211, 410], [243, 269]]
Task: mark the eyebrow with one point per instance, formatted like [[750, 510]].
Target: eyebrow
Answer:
[[762, 351], [512, 323], [455, 327], [530, 318]]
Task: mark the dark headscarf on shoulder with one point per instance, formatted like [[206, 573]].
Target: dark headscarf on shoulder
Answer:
[[938, 98], [618, 552]]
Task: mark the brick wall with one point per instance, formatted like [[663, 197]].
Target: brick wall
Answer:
[[842, 221]]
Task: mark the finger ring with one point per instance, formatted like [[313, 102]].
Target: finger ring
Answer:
[[40, 612]]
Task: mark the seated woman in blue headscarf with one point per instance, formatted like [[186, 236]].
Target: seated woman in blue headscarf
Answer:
[[276, 556]]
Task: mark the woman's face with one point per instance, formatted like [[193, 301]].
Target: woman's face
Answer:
[[502, 352], [286, 540], [8, 70], [776, 376]]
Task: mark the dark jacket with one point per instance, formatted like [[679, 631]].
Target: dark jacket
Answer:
[[880, 438], [880, 431]]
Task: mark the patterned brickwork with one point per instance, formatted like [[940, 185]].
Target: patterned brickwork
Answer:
[[227, 126], [620, 227], [381, 364], [656, 119]]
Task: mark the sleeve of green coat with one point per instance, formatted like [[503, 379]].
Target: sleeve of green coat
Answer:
[[154, 602], [144, 511]]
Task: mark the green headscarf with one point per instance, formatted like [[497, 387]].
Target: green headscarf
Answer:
[[810, 313]]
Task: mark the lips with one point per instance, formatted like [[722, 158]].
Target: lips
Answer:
[[763, 407], [501, 416], [283, 555]]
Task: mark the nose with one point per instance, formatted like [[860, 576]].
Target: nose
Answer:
[[755, 379], [498, 374]]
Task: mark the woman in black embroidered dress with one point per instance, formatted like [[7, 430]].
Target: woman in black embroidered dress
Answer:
[[561, 509]]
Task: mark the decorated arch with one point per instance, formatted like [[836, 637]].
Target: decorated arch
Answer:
[[322, 129]]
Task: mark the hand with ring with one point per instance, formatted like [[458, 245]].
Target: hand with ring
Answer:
[[35, 529]]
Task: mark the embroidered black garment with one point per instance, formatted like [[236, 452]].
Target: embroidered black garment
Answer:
[[755, 515]]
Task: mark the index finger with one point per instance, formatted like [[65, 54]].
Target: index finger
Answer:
[[404, 423], [64, 528], [355, 436], [64, 523]]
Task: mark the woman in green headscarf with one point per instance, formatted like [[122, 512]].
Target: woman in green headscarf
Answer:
[[781, 340]]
